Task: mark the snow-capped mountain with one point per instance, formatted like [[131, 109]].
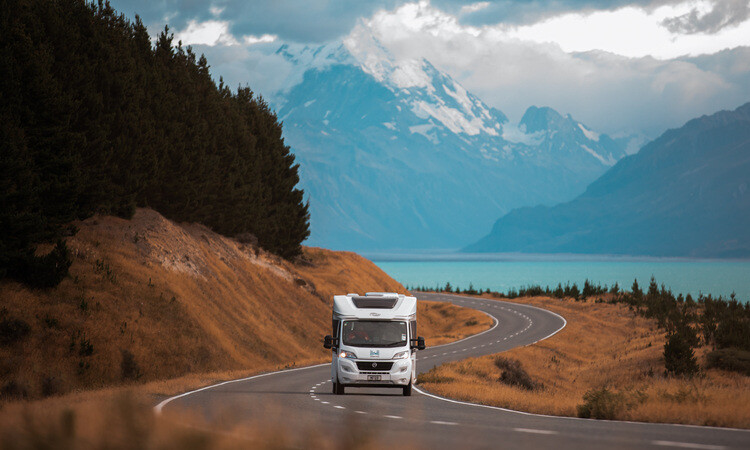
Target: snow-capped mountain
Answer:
[[395, 154]]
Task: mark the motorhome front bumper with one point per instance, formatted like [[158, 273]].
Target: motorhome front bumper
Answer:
[[375, 372]]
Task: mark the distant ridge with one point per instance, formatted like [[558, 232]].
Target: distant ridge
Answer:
[[687, 193]]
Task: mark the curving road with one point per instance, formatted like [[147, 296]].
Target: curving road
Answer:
[[302, 398]]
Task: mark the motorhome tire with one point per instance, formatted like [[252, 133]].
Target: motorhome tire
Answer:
[[338, 388], [407, 390]]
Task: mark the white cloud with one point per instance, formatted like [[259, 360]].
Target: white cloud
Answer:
[[252, 40], [210, 32], [474, 7], [632, 32], [512, 68], [615, 71]]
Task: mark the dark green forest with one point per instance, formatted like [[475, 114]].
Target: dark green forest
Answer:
[[94, 118]]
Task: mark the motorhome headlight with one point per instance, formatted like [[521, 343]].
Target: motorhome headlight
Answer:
[[349, 355], [401, 355]]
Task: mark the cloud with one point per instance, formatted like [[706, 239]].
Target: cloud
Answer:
[[210, 32], [608, 92], [723, 13], [514, 12], [616, 68], [290, 20]]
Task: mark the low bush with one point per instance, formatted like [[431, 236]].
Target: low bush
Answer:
[[732, 359], [601, 404], [13, 330], [12, 390], [129, 367], [513, 374], [42, 271]]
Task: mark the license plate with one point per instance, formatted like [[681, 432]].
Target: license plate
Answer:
[[373, 377]]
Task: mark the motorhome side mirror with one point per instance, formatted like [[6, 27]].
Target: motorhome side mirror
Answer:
[[328, 341], [420, 343]]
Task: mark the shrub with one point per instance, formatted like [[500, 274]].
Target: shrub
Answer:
[[50, 386], [601, 404], [679, 358], [43, 271], [14, 390], [732, 359], [513, 373], [129, 367], [13, 330]]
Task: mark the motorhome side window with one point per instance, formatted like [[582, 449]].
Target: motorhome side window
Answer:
[[374, 333]]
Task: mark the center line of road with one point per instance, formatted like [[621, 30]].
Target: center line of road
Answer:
[[338, 407], [440, 422], [534, 431], [394, 417], [688, 445]]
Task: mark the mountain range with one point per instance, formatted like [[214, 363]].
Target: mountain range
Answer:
[[395, 154], [687, 193]]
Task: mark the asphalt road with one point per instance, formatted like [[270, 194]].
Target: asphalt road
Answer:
[[302, 399]]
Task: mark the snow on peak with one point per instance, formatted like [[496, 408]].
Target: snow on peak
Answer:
[[590, 135], [608, 161]]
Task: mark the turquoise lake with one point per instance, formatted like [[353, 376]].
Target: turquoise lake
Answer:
[[681, 276]]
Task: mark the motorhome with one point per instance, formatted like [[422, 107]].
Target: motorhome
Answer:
[[374, 341]]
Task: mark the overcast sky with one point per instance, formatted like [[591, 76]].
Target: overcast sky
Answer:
[[620, 66]]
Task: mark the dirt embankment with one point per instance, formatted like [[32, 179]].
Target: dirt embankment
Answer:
[[608, 355], [148, 299]]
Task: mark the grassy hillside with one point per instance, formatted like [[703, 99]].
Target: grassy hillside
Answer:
[[607, 361], [149, 299]]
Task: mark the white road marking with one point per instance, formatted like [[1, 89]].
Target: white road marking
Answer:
[[440, 422], [393, 417], [534, 431], [337, 406], [688, 445], [360, 412], [325, 403]]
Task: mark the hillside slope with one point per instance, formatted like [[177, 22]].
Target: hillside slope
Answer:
[[684, 194], [149, 299]]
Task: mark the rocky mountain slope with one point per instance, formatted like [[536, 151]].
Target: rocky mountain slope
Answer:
[[684, 194], [395, 154]]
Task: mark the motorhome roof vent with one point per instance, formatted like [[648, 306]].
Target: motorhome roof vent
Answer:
[[375, 302]]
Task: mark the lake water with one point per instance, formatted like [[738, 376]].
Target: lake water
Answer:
[[503, 273]]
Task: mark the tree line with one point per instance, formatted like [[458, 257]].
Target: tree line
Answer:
[[96, 119]]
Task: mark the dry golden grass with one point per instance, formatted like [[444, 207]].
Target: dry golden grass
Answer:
[[182, 300], [602, 346], [441, 323]]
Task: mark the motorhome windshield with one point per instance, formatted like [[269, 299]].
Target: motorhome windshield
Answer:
[[374, 333]]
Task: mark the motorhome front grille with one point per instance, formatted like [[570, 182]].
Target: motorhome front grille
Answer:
[[379, 366], [374, 302]]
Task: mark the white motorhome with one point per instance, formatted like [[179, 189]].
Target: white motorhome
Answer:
[[374, 341]]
